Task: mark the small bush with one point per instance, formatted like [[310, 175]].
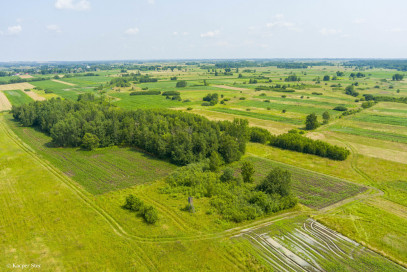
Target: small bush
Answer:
[[340, 108]]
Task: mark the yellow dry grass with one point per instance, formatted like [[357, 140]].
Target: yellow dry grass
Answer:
[[63, 82], [4, 103], [35, 96], [16, 86]]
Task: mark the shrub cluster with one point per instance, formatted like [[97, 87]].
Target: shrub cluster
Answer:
[[211, 98], [134, 204], [146, 93], [259, 135], [229, 196]]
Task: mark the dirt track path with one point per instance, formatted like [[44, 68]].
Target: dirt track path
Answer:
[[231, 88], [63, 82]]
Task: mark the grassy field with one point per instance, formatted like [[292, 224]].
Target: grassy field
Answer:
[[100, 170], [381, 230], [17, 97]]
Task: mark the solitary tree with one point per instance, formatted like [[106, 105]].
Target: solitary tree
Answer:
[[311, 122], [150, 215], [326, 117], [247, 171], [181, 84]]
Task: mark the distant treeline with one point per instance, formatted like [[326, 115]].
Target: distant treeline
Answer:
[[21, 80], [181, 137], [400, 65], [402, 99], [265, 63]]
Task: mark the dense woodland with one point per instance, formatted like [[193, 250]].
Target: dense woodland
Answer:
[[181, 137]]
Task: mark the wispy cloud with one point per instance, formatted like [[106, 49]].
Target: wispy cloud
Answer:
[[151, 2], [14, 30], [330, 31], [78, 5], [131, 31], [210, 34], [281, 23], [53, 28]]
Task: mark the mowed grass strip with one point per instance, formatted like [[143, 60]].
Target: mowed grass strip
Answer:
[[370, 133], [18, 97], [312, 189], [259, 115], [100, 170], [382, 119]]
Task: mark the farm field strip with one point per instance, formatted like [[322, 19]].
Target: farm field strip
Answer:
[[382, 119], [16, 86], [311, 246], [369, 133], [5, 104], [34, 96], [17, 97]]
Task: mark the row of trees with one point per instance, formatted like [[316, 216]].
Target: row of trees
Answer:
[[299, 143], [181, 137]]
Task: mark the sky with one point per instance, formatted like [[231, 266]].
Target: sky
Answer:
[[74, 30]]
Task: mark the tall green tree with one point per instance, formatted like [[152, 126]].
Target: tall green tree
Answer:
[[278, 181], [311, 122], [247, 171]]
